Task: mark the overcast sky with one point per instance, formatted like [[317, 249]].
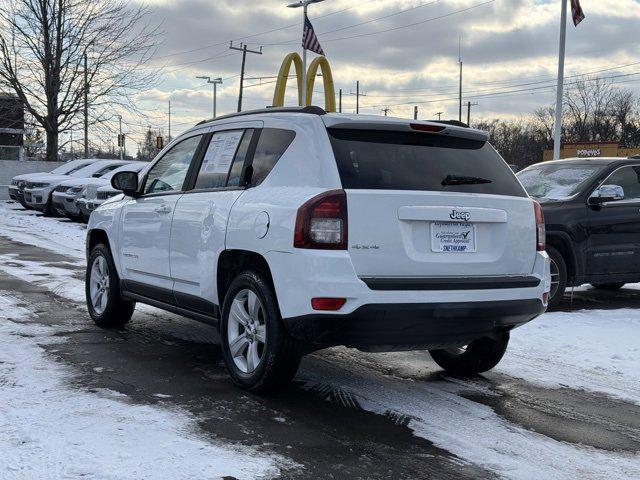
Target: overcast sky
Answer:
[[410, 57]]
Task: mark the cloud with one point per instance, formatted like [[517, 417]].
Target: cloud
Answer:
[[504, 43]]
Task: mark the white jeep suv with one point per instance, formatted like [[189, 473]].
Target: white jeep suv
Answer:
[[291, 230]]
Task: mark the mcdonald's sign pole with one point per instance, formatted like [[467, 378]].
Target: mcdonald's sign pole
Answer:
[[304, 4]]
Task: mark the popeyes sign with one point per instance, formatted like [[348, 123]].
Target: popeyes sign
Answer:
[[589, 152]]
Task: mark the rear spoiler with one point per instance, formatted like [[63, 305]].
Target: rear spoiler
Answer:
[[447, 128]]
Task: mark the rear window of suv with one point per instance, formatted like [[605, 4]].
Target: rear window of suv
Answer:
[[392, 160]]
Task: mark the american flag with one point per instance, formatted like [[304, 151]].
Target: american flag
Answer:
[[309, 39], [576, 12]]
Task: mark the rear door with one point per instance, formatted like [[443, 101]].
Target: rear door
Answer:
[[201, 214], [429, 205], [614, 228]]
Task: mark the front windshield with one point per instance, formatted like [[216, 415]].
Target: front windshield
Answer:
[[69, 167], [89, 170], [556, 181]]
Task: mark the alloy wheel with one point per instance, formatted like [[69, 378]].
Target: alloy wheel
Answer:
[[246, 331], [99, 284]]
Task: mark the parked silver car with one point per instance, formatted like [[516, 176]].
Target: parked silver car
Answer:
[[38, 192]]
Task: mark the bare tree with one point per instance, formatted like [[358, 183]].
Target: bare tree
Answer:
[[44, 45], [148, 149]]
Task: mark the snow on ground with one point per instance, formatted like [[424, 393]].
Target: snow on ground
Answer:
[[595, 350], [50, 431], [30, 227], [592, 350], [438, 412]]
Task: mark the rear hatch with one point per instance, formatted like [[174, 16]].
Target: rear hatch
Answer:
[[431, 203]]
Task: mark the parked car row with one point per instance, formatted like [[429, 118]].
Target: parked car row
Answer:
[[73, 190]]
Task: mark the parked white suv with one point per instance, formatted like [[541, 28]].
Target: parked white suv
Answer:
[[293, 230]]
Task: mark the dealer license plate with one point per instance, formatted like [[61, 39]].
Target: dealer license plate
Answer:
[[453, 237]]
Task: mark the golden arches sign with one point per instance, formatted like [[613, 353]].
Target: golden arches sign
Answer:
[[327, 77]]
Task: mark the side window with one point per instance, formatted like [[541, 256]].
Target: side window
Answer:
[[629, 179], [223, 151], [273, 142], [170, 171], [238, 162]]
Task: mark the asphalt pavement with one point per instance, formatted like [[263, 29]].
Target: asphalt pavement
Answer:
[[164, 359]]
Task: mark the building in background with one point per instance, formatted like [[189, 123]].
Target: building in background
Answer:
[[592, 149], [11, 128]]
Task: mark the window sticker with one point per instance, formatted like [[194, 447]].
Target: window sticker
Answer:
[[221, 151]]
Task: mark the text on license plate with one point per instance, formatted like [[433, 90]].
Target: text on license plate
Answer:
[[453, 237]]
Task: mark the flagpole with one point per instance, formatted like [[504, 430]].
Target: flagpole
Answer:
[[557, 138], [304, 59]]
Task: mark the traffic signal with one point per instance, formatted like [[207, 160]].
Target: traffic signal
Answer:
[[121, 141], [159, 143]]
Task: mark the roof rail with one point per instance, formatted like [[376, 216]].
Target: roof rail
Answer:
[[311, 110], [455, 123]]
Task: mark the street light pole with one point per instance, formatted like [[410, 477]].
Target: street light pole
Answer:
[[304, 4], [215, 82]]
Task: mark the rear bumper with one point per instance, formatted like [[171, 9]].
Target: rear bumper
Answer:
[[424, 325]]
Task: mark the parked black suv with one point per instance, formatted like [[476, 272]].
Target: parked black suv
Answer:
[[592, 216]]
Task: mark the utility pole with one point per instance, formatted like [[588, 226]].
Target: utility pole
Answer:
[[86, 107], [71, 132], [358, 95], [469, 105], [340, 101], [386, 110], [243, 48], [215, 82], [120, 137], [439, 114], [169, 136], [415, 112]]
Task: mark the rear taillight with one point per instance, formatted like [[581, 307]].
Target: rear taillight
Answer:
[[541, 233], [322, 222]]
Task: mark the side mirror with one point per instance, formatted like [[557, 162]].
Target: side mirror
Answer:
[[127, 182], [606, 193]]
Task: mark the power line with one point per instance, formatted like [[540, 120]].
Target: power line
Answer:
[[285, 27], [439, 17], [501, 93]]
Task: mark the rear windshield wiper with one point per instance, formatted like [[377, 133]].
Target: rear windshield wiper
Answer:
[[459, 180]]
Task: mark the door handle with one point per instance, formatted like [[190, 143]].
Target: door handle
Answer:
[[163, 209]]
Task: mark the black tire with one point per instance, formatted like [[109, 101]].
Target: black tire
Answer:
[[49, 209], [280, 355], [608, 286], [117, 311], [478, 357], [557, 260]]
